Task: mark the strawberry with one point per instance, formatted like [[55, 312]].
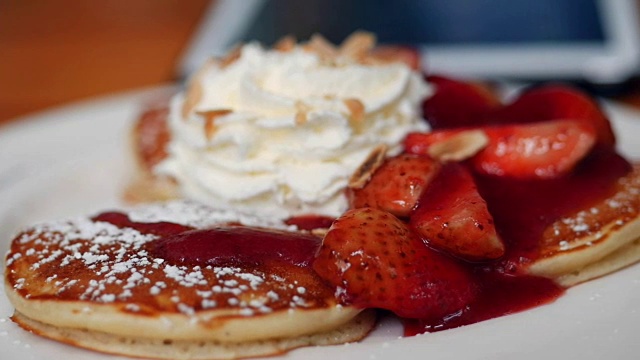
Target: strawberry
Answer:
[[376, 261], [464, 104], [397, 53], [537, 150], [555, 102], [458, 104], [396, 185], [453, 216]]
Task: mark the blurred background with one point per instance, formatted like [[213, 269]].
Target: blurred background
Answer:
[[55, 52]]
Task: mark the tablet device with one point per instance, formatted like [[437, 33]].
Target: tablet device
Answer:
[[597, 41]]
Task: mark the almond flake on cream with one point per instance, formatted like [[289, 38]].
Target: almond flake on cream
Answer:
[[297, 127]]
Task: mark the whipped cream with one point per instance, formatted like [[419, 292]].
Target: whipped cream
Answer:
[[281, 132]]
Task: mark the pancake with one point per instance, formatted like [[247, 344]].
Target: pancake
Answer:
[[135, 284], [150, 137], [594, 241], [185, 349]]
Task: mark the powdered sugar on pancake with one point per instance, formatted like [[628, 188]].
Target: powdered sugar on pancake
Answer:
[[80, 259], [197, 215]]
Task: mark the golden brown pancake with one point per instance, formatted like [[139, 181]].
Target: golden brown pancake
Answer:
[[150, 137], [104, 287], [594, 241]]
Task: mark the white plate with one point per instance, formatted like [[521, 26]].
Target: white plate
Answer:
[[73, 161]]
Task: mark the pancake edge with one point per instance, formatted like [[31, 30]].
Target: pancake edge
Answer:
[[352, 331], [618, 249]]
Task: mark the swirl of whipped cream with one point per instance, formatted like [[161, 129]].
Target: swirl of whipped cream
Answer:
[[281, 132]]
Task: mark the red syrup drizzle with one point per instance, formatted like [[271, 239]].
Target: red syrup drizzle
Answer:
[[158, 228], [522, 210], [239, 246], [230, 245]]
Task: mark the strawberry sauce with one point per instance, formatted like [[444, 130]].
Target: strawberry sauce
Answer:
[[498, 295], [521, 209], [231, 245], [237, 246], [159, 228]]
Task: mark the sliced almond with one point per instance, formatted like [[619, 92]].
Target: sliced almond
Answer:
[[363, 174], [302, 110], [209, 120], [199, 74], [301, 117], [459, 147], [358, 45], [194, 89], [373, 60], [285, 44], [321, 46], [231, 57], [356, 108], [320, 232], [192, 98]]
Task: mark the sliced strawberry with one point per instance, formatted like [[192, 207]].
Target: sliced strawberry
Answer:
[[537, 150], [453, 216], [396, 185], [458, 104], [556, 102], [377, 261], [398, 53]]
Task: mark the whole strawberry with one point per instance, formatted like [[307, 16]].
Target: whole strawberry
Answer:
[[376, 261]]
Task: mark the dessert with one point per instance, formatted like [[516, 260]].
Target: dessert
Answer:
[[530, 198], [279, 131], [201, 285], [572, 208], [328, 202]]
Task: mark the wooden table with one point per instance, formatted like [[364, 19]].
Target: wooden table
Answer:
[[54, 52]]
